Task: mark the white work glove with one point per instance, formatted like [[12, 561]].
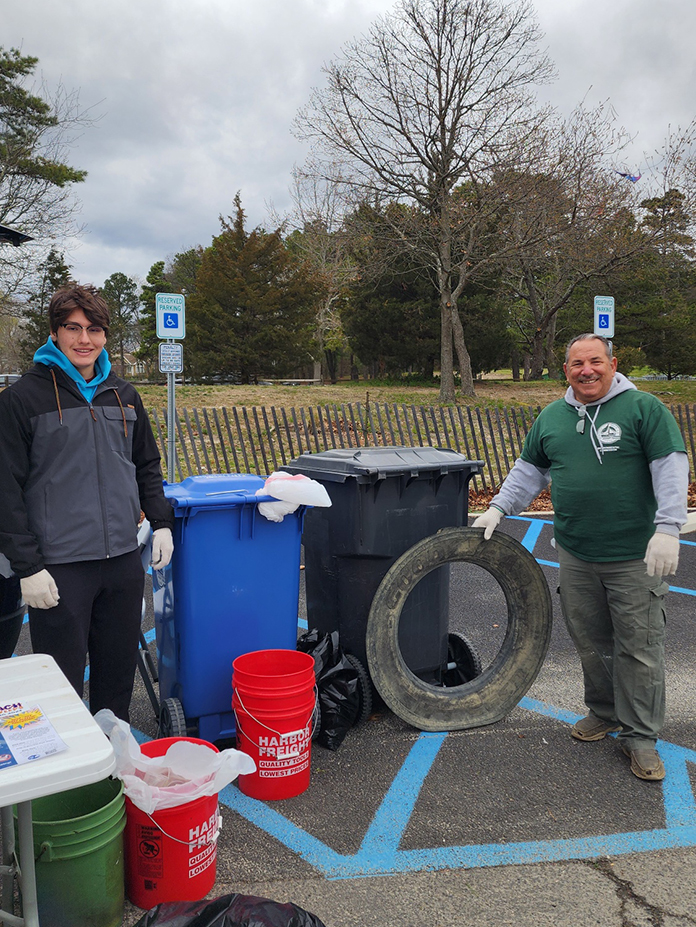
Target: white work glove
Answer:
[[39, 590], [490, 521], [162, 548], [662, 554]]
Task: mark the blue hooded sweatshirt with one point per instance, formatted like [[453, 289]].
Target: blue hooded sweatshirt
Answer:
[[52, 356]]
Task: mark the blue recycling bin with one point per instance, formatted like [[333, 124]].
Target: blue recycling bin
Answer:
[[232, 587]]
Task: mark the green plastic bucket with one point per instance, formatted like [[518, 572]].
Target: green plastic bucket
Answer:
[[78, 847]]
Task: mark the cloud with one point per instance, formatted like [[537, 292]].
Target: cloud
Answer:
[[196, 99]]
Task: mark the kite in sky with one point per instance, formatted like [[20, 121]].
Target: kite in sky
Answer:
[[632, 177]]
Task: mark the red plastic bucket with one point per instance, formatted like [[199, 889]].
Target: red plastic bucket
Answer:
[[171, 855], [274, 703]]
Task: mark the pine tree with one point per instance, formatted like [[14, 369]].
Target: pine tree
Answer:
[[121, 295], [155, 283], [253, 313], [52, 275]]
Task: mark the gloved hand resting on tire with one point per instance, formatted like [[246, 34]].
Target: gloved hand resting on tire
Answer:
[[489, 521]]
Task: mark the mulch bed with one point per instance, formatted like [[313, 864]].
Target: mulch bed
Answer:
[[479, 501]]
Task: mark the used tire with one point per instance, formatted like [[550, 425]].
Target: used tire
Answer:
[[490, 696]]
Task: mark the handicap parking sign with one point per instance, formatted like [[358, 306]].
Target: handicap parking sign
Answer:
[[604, 316], [170, 315]]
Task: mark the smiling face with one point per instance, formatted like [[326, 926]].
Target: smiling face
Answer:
[[589, 370], [83, 349]]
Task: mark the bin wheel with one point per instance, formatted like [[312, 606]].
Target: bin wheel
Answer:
[[172, 721], [490, 696], [463, 661], [364, 689]]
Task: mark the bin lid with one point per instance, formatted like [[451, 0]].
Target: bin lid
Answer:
[[215, 489], [368, 464]]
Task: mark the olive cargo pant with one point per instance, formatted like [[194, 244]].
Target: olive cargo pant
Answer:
[[616, 618]]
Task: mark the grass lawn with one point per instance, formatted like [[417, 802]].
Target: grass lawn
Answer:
[[491, 391]]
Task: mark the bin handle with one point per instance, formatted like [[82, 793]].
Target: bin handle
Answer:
[[314, 718], [213, 837]]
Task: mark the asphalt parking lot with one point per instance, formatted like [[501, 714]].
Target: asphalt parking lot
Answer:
[[515, 823]]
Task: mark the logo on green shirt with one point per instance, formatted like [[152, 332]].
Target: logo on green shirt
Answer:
[[609, 433]]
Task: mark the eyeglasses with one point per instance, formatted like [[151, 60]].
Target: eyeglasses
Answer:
[[94, 331]]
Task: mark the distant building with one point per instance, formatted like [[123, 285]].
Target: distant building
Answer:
[[133, 366]]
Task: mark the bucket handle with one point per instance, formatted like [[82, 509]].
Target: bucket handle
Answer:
[[213, 838], [46, 847], [314, 718]]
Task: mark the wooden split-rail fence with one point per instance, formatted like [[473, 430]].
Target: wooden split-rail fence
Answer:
[[260, 439]]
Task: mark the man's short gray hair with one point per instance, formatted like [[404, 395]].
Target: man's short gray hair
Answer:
[[588, 336]]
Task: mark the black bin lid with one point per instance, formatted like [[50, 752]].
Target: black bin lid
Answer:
[[369, 464]]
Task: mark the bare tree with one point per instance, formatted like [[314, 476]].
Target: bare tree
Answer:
[[424, 110], [320, 237], [577, 223]]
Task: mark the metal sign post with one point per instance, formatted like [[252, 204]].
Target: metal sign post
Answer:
[[171, 324], [171, 426]]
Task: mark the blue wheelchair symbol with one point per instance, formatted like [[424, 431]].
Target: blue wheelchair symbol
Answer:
[[603, 320], [171, 320]]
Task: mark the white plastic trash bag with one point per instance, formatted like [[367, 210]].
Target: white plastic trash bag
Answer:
[[186, 771], [292, 491]]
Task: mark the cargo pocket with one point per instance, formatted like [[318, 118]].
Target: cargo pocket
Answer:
[[657, 616]]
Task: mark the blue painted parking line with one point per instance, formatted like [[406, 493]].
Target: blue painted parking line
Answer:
[[533, 533], [536, 526], [379, 853]]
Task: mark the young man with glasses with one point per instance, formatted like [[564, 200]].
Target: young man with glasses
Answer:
[[78, 463]]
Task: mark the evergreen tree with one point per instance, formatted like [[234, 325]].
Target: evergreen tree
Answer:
[[155, 283], [393, 325], [121, 295], [53, 273], [181, 271], [252, 314]]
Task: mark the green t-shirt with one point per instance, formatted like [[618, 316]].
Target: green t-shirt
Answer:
[[603, 511]]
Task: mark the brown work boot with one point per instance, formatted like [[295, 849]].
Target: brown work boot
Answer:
[[593, 728], [645, 762]]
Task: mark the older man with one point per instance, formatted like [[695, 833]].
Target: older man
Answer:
[[619, 474]]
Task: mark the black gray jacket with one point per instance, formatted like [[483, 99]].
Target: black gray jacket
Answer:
[[75, 475]]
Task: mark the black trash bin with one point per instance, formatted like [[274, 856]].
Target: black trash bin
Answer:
[[384, 500]]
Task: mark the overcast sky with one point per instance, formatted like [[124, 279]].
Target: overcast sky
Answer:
[[196, 99]]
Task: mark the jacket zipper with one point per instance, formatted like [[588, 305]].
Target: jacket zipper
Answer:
[[100, 482]]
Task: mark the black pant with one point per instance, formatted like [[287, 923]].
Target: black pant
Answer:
[[10, 629], [99, 612]]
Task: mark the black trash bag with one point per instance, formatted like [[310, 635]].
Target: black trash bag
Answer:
[[337, 683], [229, 911]]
